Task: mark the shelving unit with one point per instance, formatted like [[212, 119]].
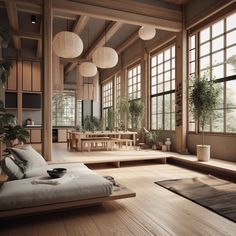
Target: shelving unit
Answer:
[[23, 96]]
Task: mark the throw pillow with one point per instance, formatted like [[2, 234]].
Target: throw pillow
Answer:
[[30, 156]]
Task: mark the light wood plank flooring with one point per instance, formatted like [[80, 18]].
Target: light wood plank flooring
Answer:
[[155, 211]]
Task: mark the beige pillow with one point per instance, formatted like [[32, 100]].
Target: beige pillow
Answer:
[[29, 156]]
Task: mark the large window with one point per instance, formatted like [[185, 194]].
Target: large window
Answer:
[[117, 79], [212, 51], [163, 89], [64, 109], [134, 82], [107, 100]]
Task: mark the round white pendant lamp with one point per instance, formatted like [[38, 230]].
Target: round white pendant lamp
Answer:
[[67, 44], [147, 32], [88, 69], [105, 57]]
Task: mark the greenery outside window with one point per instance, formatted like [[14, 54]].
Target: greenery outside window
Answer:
[[163, 89], [212, 51]]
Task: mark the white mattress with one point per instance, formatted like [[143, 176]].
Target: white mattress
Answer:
[[84, 184]]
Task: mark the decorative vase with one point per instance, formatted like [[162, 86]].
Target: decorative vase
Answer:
[[168, 143]]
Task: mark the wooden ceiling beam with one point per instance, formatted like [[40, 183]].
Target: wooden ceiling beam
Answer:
[[13, 22], [112, 28], [133, 15], [27, 35], [80, 24]]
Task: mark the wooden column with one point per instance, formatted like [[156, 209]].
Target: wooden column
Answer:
[[181, 91], [47, 47], [145, 85]]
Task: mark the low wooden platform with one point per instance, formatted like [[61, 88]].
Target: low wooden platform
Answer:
[[121, 193]]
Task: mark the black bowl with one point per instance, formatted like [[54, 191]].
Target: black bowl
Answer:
[[56, 172]]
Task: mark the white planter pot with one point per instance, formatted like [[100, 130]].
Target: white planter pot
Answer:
[[203, 152]]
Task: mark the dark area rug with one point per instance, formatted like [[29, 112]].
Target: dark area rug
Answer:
[[215, 194]]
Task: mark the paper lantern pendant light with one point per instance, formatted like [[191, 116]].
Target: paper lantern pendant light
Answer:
[[67, 44], [88, 69], [105, 57], [147, 32]]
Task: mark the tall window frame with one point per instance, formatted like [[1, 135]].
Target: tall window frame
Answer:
[[162, 88], [211, 51]]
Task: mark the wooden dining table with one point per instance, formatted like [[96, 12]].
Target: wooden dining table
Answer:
[[75, 137]]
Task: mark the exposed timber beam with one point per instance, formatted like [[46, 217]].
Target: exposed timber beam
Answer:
[[127, 42], [112, 28], [80, 24], [13, 21], [73, 60], [27, 35], [132, 15]]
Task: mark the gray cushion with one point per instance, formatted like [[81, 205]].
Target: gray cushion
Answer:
[[30, 156], [10, 167]]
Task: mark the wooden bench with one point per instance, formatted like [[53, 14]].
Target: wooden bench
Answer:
[[128, 142], [106, 143]]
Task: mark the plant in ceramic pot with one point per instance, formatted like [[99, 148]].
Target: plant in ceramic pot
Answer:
[[152, 138], [203, 100]]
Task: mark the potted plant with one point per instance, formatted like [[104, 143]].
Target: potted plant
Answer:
[[123, 109], [136, 112], [111, 119], [203, 101], [11, 134], [152, 138]]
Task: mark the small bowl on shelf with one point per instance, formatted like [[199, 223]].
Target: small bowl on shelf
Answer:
[[56, 172]]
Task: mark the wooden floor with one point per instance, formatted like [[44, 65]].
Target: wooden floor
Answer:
[[154, 211]]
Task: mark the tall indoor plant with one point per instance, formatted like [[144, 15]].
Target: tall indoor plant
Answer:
[[203, 101], [136, 111]]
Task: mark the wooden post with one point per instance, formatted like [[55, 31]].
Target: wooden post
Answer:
[[181, 91], [47, 47]]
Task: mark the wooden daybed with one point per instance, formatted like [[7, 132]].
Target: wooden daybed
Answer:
[[16, 202]]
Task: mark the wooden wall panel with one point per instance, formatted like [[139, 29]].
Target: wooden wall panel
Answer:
[[36, 77], [12, 80], [35, 135], [27, 74]]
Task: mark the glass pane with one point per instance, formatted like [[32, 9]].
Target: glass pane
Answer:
[[167, 121], [160, 88], [204, 49], [167, 103], [230, 120], [173, 121], [231, 61], [192, 55], [231, 94], [191, 126], [173, 63], [160, 78], [173, 51], [154, 61], [160, 58], [159, 104], [192, 67], [153, 80], [218, 121], [217, 43], [154, 106], [154, 122], [218, 72], [160, 121], [167, 76], [231, 22], [231, 38], [173, 74], [192, 42], [205, 35], [160, 69], [154, 90], [204, 62], [167, 86], [167, 66], [173, 84], [139, 69], [217, 58], [130, 73], [154, 71], [167, 54], [218, 28]]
